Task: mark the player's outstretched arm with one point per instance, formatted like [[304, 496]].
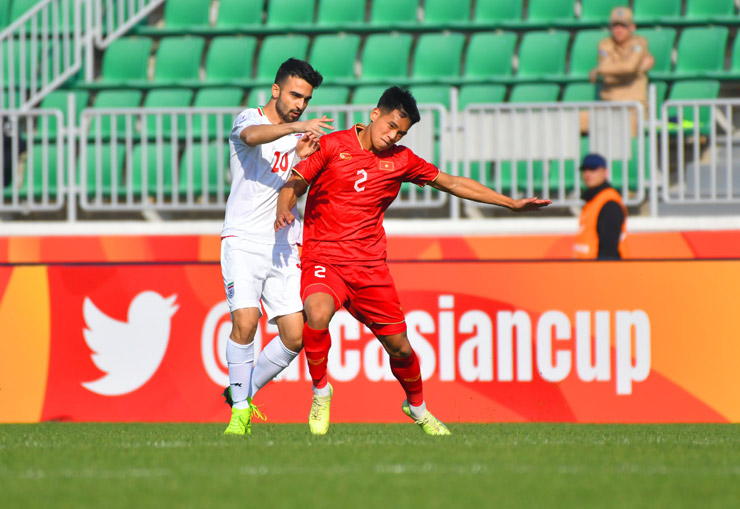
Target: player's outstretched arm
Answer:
[[293, 188], [473, 190], [254, 135]]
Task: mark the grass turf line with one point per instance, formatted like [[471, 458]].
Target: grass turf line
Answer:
[[364, 465]]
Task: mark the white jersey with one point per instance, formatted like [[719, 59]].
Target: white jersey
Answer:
[[257, 175]]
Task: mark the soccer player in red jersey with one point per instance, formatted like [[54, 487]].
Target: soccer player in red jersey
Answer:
[[353, 177]]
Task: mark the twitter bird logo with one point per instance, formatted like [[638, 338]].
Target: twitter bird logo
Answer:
[[128, 352]]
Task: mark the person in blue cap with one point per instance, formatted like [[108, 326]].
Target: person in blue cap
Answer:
[[602, 224]]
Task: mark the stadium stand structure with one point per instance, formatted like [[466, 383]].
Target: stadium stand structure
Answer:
[[222, 54]]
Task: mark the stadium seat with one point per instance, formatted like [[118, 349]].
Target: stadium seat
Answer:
[[289, 14], [542, 55], [230, 59], [42, 172], [693, 89], [443, 14], [368, 95], [701, 51], [166, 98], [342, 14], [57, 99], [4, 13], [596, 12], [178, 60], [125, 62], [148, 154], [394, 14], [328, 96], [485, 94], [239, 14], [660, 44], [534, 92], [102, 166], [664, 12], [711, 11], [184, 15], [334, 56], [494, 13], [377, 67], [110, 99], [192, 165], [734, 71], [216, 98], [489, 57], [437, 57], [275, 50], [547, 13], [584, 53], [253, 98], [65, 20], [18, 48], [580, 92]]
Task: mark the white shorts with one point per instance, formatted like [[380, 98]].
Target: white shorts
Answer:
[[254, 272]]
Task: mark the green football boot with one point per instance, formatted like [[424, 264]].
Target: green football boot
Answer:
[[428, 424]]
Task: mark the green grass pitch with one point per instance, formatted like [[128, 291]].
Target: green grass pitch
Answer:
[[369, 465]]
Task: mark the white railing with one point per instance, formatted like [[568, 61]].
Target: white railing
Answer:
[[116, 17], [698, 151]]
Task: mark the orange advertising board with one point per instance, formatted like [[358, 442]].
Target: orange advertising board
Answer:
[[638, 341]]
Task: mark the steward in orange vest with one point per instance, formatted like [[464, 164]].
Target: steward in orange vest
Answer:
[[602, 225]]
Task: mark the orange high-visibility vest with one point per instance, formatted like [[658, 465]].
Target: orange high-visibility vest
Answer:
[[587, 240]]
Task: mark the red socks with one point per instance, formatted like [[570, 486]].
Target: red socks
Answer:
[[316, 344], [408, 372]]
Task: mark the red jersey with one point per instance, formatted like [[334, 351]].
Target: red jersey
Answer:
[[351, 188]]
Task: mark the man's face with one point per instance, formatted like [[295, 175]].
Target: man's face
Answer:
[[621, 32], [292, 98], [387, 129], [594, 178]]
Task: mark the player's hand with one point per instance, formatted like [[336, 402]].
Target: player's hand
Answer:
[[315, 126], [307, 145], [529, 204], [593, 75], [284, 219]]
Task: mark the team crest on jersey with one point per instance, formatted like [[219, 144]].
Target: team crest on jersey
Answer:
[[345, 156], [230, 290], [386, 165]]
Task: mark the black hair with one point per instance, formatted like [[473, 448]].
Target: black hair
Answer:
[[299, 69], [397, 98]]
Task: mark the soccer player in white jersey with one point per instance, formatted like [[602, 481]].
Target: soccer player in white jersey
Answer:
[[257, 263]]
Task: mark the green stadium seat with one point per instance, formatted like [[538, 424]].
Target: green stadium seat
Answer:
[[693, 89], [701, 51], [275, 50], [111, 99], [167, 98], [328, 95], [711, 11], [734, 72], [239, 14], [253, 98], [156, 178], [664, 12], [485, 94], [343, 14], [334, 56], [534, 92], [542, 55], [446, 14], [223, 67], [596, 12], [178, 60], [376, 66], [216, 98], [57, 99], [125, 62], [437, 57], [43, 173], [191, 170], [660, 44], [184, 15], [17, 48], [102, 166], [394, 14], [489, 56], [4, 13], [17, 8], [584, 53], [546, 13], [368, 95], [289, 14], [503, 13], [580, 92]]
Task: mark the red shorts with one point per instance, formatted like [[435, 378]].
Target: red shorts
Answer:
[[368, 293]]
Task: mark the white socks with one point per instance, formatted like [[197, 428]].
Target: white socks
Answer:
[[323, 392], [239, 359], [417, 412], [274, 358]]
